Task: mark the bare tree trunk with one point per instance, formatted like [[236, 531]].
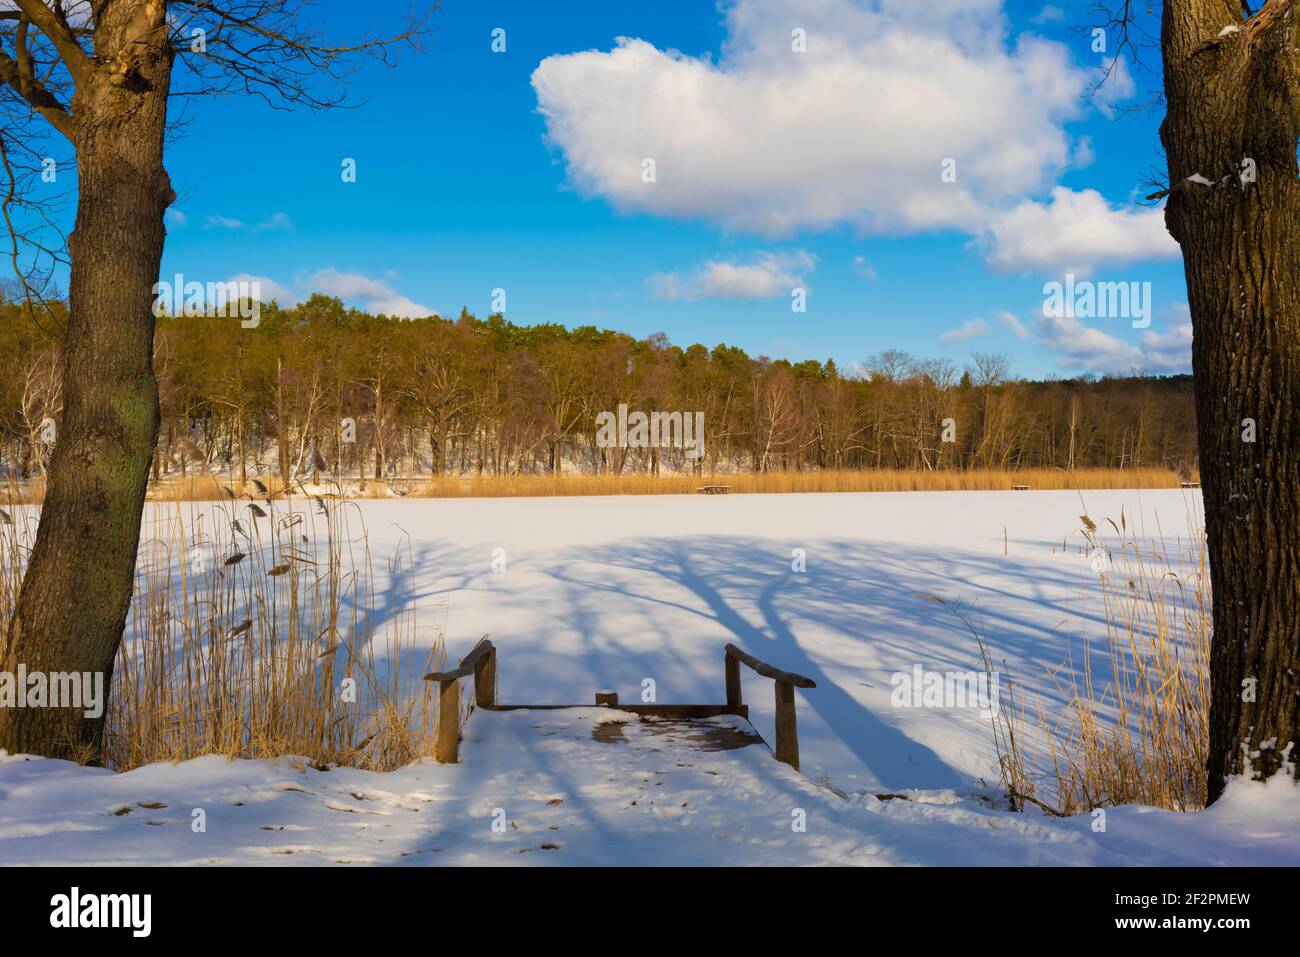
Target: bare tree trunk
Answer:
[[1074, 421], [77, 590], [379, 432], [1233, 122], [281, 427]]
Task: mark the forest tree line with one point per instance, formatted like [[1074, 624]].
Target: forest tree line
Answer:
[[324, 390]]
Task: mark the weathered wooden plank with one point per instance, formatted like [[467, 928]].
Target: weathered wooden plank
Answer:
[[467, 664], [485, 677], [787, 732], [734, 697], [447, 745], [649, 710], [767, 671]]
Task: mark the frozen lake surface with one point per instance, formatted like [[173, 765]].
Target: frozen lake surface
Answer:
[[584, 594]]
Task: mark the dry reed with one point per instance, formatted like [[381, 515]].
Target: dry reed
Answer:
[[254, 632], [842, 480], [1138, 733], [209, 487]]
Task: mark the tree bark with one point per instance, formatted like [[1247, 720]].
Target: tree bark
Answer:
[[1234, 106], [75, 595]]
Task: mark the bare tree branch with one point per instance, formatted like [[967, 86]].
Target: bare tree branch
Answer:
[[53, 23]]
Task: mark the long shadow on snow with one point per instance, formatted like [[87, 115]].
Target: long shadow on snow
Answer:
[[853, 588]]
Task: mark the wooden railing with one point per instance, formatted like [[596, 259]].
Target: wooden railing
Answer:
[[787, 731], [481, 662]]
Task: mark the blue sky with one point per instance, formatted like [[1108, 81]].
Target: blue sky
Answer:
[[819, 169]]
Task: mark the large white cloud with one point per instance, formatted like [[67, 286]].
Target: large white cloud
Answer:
[[854, 130], [1074, 232]]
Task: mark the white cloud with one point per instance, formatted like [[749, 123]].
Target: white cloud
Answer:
[[864, 268], [1017, 327], [853, 130], [175, 217], [1109, 88], [374, 295], [222, 222], [765, 276], [1083, 347], [1049, 14], [1082, 155], [276, 222], [1074, 232], [970, 329], [268, 289], [1171, 351]]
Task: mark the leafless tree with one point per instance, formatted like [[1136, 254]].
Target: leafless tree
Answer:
[[1231, 85], [101, 75]]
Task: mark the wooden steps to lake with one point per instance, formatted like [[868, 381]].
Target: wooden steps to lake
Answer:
[[481, 665]]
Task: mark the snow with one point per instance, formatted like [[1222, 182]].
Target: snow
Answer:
[[603, 593], [558, 796]]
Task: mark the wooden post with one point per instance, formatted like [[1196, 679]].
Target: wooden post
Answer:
[[733, 682], [787, 733], [485, 680], [448, 744]]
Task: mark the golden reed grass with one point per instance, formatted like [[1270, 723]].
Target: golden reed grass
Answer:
[[1138, 731], [1159, 622], [843, 480], [211, 487], [255, 631]]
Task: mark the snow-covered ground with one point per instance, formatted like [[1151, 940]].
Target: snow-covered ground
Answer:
[[548, 787], [582, 594]]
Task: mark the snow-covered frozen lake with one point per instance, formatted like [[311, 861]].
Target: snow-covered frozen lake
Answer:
[[583, 594], [606, 592]]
